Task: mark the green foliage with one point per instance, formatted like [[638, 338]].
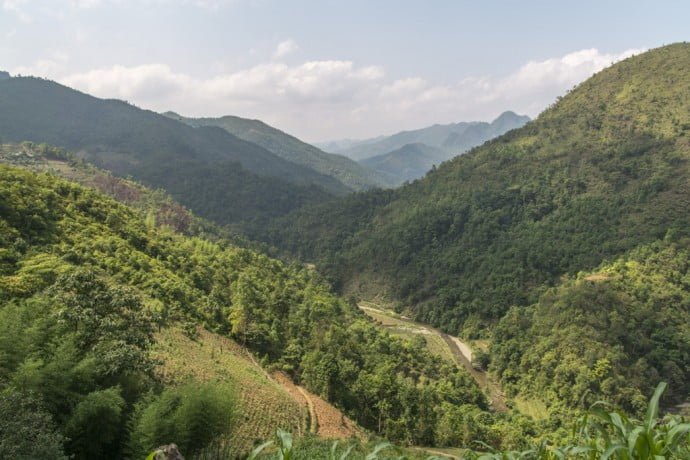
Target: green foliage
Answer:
[[613, 435], [191, 416], [216, 174], [81, 297], [311, 447], [26, 430], [95, 425], [292, 149], [602, 172], [611, 334], [481, 359]]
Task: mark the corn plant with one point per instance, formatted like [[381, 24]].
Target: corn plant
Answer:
[[603, 435], [612, 435], [333, 454]]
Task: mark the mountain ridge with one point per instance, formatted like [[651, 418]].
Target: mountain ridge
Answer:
[[159, 151], [601, 172], [291, 149], [436, 135], [409, 162]]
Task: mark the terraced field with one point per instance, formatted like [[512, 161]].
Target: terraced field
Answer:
[[265, 405], [325, 420]]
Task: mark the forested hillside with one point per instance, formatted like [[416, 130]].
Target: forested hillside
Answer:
[[409, 162], [602, 172], [88, 285], [611, 333], [347, 171], [216, 174]]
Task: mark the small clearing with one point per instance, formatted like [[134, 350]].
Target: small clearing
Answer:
[[596, 277]]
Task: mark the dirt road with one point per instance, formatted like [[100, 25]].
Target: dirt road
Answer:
[[324, 419], [461, 351]]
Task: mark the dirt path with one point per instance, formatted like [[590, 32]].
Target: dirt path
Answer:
[[324, 419], [462, 354], [313, 418]]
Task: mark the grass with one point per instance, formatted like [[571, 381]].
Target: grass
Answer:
[[532, 407], [401, 327], [265, 406]]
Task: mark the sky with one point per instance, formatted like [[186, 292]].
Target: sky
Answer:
[[325, 70]]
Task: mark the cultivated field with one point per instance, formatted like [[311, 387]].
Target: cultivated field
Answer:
[[265, 405]]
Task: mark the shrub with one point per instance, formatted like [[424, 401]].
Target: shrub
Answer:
[[191, 416], [27, 431]]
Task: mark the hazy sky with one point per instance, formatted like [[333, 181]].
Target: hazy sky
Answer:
[[331, 69]]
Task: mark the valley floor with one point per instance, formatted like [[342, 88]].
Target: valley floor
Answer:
[[448, 347]]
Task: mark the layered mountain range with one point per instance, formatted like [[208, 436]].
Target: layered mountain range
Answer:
[[408, 155]]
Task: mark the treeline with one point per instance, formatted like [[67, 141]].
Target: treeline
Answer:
[[85, 281], [481, 239], [608, 334]]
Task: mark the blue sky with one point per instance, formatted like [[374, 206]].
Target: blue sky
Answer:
[[331, 69]]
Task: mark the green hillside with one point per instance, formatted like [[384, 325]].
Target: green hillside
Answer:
[[89, 289], [611, 333], [292, 149], [409, 162], [600, 173], [216, 174]]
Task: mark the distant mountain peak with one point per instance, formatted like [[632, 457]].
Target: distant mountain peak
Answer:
[[4, 75], [510, 116], [408, 155]]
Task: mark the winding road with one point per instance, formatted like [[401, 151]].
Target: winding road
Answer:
[[461, 351]]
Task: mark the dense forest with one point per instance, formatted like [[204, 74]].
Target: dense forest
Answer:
[[86, 282], [498, 236], [560, 251], [218, 175], [347, 171]]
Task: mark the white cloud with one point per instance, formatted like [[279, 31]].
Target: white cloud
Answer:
[[85, 4], [336, 98], [148, 83], [284, 48], [17, 7], [314, 82], [52, 64]]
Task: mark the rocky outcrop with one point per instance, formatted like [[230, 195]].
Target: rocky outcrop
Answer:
[[169, 452]]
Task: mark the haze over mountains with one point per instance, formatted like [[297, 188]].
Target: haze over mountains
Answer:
[[292, 149], [409, 155], [229, 169], [558, 252], [454, 138]]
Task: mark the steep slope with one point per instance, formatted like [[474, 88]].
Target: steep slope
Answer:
[[292, 149], [602, 171], [453, 139], [612, 333], [215, 173], [85, 283], [409, 162], [209, 357]]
